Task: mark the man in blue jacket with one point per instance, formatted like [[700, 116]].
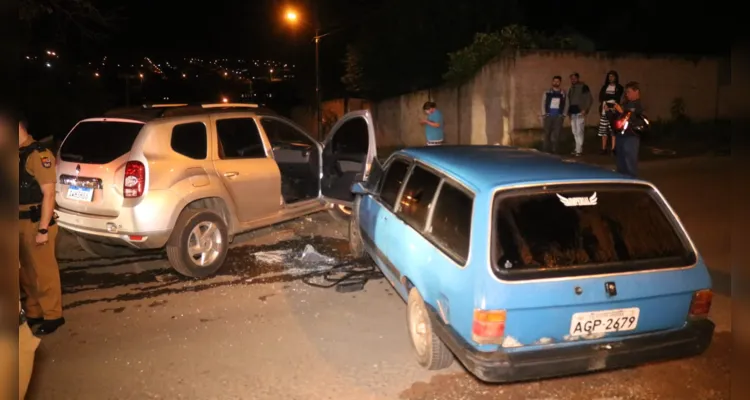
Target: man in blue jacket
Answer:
[[553, 113], [433, 124]]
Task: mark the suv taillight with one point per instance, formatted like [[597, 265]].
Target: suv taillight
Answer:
[[701, 303], [135, 179], [488, 326]]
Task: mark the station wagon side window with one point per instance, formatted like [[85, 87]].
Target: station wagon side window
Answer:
[[239, 138], [450, 226], [392, 181], [190, 140], [420, 189]]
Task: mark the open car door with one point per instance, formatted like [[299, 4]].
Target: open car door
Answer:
[[348, 154]]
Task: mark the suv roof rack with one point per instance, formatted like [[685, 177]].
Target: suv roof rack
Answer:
[[228, 105], [148, 112], [148, 106]]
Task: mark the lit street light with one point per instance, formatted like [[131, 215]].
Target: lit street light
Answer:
[[293, 18]]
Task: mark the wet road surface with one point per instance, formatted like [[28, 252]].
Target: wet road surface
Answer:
[[135, 330]]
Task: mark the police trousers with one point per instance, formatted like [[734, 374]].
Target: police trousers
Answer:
[[627, 147], [39, 273]]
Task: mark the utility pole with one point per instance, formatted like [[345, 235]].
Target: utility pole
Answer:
[[317, 83], [126, 77]]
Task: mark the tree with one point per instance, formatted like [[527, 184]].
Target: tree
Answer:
[[47, 20], [402, 46], [465, 63], [354, 78]]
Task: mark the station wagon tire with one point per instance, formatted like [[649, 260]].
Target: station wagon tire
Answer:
[[431, 351], [356, 245], [102, 250], [199, 237]]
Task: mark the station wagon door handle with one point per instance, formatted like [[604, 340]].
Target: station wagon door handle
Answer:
[[231, 174]]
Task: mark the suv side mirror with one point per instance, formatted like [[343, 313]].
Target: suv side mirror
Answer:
[[359, 188]]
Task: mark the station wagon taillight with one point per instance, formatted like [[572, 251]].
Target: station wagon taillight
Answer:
[[488, 326], [700, 306], [135, 179]]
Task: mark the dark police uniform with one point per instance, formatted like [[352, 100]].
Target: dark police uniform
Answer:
[[629, 141], [39, 274]]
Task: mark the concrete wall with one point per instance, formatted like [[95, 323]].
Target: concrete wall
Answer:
[[505, 96], [662, 80]]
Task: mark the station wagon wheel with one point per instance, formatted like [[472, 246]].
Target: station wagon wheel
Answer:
[[356, 245], [431, 351], [199, 244], [341, 212]]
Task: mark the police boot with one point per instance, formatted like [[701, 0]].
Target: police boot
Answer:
[[48, 326]]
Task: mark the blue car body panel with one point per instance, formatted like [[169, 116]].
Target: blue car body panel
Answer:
[[538, 311]]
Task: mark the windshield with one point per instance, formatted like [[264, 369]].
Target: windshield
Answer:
[[99, 142], [569, 230]]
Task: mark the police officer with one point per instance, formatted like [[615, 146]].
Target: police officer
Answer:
[[39, 274], [629, 142]]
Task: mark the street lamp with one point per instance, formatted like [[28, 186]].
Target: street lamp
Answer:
[[293, 18]]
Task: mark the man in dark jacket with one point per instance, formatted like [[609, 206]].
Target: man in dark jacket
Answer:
[[610, 94], [628, 125], [553, 112]]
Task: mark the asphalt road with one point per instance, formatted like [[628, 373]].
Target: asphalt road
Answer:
[[136, 331]]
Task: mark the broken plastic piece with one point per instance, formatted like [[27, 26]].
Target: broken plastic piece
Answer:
[[310, 255]]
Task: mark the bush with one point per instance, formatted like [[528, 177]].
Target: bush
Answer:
[[465, 63]]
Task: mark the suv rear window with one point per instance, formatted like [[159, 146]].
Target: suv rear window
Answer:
[[581, 230], [99, 142]]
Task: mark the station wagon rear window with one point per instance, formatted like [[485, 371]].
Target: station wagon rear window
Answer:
[[99, 142], [567, 230]]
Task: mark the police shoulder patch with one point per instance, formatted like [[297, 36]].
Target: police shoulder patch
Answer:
[[46, 162]]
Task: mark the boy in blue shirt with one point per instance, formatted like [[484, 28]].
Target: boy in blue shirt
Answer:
[[433, 124]]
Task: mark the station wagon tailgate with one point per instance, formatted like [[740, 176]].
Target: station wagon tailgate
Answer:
[[584, 261]]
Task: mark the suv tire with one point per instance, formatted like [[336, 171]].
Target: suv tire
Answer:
[[356, 245], [193, 226], [431, 351], [102, 250]]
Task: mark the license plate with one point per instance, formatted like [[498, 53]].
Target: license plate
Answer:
[[592, 322], [80, 193]]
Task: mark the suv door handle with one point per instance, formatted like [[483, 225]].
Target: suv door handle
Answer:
[[231, 174]]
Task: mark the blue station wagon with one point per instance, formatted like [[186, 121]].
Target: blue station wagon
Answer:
[[523, 265]]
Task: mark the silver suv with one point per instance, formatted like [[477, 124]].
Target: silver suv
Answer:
[[188, 178]]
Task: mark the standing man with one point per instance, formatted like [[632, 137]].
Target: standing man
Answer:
[[433, 124], [579, 104], [39, 274], [553, 107], [610, 94], [630, 121]]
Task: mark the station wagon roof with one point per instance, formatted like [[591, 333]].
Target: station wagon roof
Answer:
[[488, 167]]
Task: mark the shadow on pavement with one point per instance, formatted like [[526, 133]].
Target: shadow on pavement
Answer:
[[703, 377], [240, 268]]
